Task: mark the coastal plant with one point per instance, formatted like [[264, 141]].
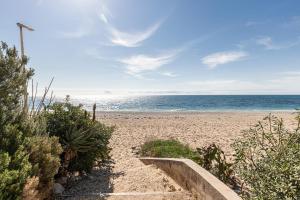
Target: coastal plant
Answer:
[[15, 167], [168, 149], [44, 157], [24, 163], [213, 159], [84, 141], [267, 159]]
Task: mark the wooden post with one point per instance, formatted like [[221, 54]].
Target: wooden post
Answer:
[[94, 112], [21, 26], [21, 41]]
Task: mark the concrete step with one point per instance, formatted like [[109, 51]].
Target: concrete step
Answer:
[[179, 195]]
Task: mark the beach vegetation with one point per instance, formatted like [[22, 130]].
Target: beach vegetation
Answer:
[[84, 140], [168, 149], [267, 159], [265, 164], [29, 158], [211, 157], [39, 140]]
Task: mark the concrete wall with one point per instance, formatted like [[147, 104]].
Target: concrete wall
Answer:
[[194, 178]]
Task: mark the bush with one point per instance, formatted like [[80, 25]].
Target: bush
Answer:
[[213, 159], [44, 156], [84, 141], [168, 149], [15, 167], [268, 160], [26, 160], [14, 171]]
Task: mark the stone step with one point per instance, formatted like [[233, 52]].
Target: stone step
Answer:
[[180, 195]]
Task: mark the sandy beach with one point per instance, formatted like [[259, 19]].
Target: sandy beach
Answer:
[[195, 129]]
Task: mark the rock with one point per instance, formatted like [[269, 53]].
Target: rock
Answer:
[[76, 173], [62, 180], [58, 188], [84, 173]]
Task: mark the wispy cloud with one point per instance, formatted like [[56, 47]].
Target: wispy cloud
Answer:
[[219, 58], [291, 73], [169, 74], [131, 39], [231, 86], [268, 43], [85, 29], [94, 53], [294, 22], [281, 85], [255, 23], [138, 64], [39, 2], [103, 18], [79, 33], [123, 37]]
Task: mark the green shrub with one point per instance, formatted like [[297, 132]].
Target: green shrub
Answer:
[[14, 171], [25, 159], [213, 159], [268, 160], [84, 141], [44, 156], [168, 149], [15, 166]]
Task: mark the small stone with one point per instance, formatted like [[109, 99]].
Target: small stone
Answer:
[[62, 180], [84, 173], [58, 188], [172, 188], [76, 173]]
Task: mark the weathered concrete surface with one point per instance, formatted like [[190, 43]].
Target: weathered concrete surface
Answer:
[[194, 178], [180, 195]]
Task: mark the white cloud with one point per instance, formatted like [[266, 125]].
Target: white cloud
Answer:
[[219, 58], [291, 73], [94, 53], [268, 43], [131, 39], [103, 18], [284, 83], [123, 37], [137, 64], [225, 86], [39, 2], [256, 23], [79, 33], [169, 74], [85, 28], [294, 22]]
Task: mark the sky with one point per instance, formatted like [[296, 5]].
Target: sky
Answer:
[[119, 47]]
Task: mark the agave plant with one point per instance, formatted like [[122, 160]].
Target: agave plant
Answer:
[[78, 140], [84, 140]]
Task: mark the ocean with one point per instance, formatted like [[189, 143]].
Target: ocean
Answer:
[[202, 103]]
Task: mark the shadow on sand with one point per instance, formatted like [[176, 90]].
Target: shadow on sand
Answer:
[[95, 183]]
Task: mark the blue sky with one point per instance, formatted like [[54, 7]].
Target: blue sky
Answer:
[[98, 47]]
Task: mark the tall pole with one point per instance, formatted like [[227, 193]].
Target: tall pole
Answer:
[[21, 26], [21, 41]]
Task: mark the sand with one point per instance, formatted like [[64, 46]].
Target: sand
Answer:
[[195, 129]]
